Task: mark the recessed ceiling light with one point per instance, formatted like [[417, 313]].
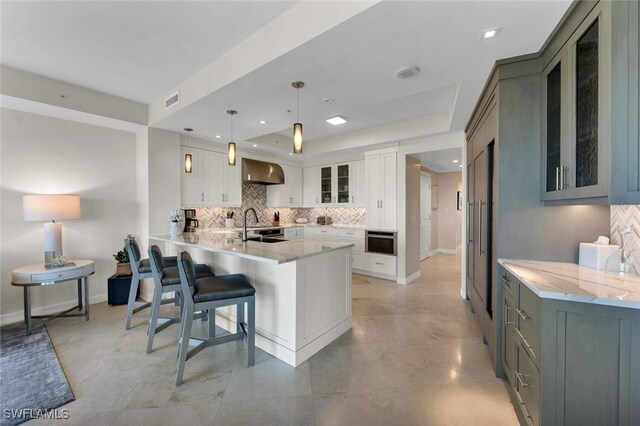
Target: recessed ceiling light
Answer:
[[460, 165], [490, 33], [407, 72], [291, 153], [218, 136], [263, 122], [255, 144], [336, 121], [454, 161]]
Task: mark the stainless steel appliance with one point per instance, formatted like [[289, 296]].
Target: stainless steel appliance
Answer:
[[255, 171], [190, 221], [381, 242], [324, 220]]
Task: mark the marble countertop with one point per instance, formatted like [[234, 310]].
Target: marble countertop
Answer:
[[229, 243], [568, 281], [286, 225]]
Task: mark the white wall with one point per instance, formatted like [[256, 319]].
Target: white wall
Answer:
[[48, 155], [164, 178]]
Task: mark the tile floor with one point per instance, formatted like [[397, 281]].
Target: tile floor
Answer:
[[414, 356]]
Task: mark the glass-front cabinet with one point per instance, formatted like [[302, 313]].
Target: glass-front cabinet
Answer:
[[576, 125], [343, 184], [337, 183], [326, 185]]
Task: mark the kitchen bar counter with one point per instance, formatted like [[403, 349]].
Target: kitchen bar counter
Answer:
[[286, 225], [303, 287], [227, 242], [571, 282]]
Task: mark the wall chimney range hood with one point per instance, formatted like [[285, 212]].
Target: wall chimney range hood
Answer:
[[255, 171]]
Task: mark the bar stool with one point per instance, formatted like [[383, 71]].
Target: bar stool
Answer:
[[141, 269], [166, 280], [207, 294]]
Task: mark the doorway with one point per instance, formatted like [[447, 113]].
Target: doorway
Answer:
[[425, 215]]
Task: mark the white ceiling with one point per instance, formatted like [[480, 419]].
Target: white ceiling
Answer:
[[141, 50], [441, 161]]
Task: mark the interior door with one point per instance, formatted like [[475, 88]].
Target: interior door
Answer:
[[425, 215]]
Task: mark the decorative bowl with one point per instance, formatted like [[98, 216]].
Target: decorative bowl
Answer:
[[302, 220]]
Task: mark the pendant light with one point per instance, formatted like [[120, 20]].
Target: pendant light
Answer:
[[188, 160], [297, 126], [232, 145]]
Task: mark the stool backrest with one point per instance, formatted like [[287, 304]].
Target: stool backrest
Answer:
[[155, 259], [134, 252], [187, 272]]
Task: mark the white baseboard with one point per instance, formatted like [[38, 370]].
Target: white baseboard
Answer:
[[375, 274], [18, 316], [407, 280], [446, 251]]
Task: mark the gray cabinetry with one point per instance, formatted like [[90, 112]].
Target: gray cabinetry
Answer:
[[569, 362], [590, 107]]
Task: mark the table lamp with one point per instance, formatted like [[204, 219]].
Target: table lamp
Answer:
[[51, 207]]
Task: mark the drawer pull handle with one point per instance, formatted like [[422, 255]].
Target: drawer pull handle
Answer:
[[506, 280], [522, 383], [378, 263], [522, 314]]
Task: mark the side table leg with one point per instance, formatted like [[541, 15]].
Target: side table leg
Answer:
[[80, 294], [86, 298], [27, 308]]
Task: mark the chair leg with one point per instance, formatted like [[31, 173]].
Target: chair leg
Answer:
[[251, 335], [184, 342], [183, 321], [133, 290], [239, 317], [211, 316], [153, 318]]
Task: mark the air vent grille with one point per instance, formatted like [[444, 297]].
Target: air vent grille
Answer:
[[172, 100]]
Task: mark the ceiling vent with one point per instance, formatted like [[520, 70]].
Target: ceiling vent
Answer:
[[407, 72], [172, 100]]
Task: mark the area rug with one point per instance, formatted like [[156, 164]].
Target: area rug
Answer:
[[33, 383]]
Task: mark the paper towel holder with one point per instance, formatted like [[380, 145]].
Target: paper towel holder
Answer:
[[51, 207]]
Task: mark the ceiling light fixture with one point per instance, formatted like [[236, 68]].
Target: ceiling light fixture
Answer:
[[231, 152], [336, 121], [218, 136], [255, 144], [297, 126], [454, 161], [407, 72], [188, 160], [489, 33], [263, 122], [460, 165]]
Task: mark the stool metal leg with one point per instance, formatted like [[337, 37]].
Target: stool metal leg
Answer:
[[251, 335], [80, 294], [27, 307], [153, 318], [184, 342], [133, 291], [240, 318], [211, 314], [86, 298]]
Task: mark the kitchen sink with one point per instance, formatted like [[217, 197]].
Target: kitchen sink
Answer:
[[266, 239]]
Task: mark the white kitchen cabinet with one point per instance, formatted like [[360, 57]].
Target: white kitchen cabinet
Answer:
[[382, 264], [358, 184], [311, 185], [288, 194], [212, 181], [293, 233], [381, 177]]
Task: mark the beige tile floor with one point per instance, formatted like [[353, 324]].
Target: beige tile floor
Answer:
[[414, 356]]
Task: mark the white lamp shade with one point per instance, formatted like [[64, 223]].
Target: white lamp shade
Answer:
[[50, 207]]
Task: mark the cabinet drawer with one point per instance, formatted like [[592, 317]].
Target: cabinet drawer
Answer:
[[529, 320], [350, 233], [508, 282], [57, 276], [293, 233], [528, 386], [509, 354], [382, 264], [323, 232], [359, 261]]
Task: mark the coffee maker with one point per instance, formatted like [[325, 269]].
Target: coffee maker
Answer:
[[190, 221]]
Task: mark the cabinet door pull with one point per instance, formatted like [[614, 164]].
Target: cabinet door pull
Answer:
[[480, 227], [563, 183], [557, 178], [522, 383], [378, 263], [522, 314], [316, 200]]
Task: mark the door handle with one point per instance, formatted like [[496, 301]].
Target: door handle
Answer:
[[563, 178], [557, 178], [469, 220], [480, 203]]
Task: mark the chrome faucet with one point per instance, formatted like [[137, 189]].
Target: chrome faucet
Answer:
[[244, 223]]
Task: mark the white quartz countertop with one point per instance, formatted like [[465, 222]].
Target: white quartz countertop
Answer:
[[286, 225], [229, 243], [568, 281]]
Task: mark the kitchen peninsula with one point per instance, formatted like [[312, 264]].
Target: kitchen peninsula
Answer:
[[303, 287]]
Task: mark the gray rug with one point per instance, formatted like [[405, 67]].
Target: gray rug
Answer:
[[33, 381]]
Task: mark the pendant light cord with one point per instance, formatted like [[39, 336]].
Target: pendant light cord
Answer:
[[298, 104]]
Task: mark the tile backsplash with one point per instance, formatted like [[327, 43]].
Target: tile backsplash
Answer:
[[622, 216], [255, 196]]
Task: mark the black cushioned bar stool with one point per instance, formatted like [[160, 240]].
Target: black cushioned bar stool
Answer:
[[207, 294], [166, 280], [141, 269]]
